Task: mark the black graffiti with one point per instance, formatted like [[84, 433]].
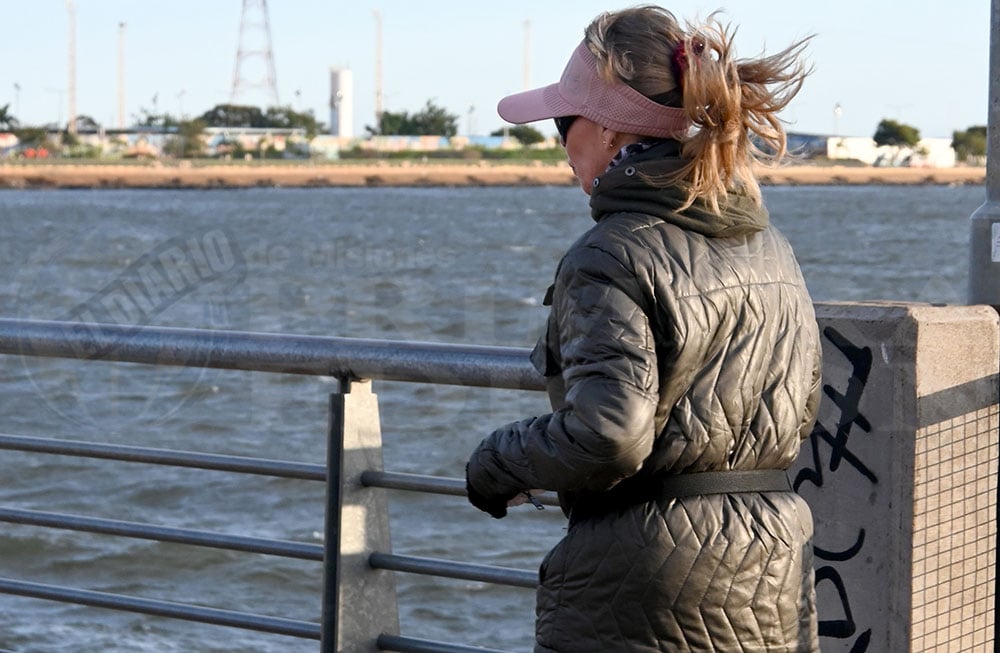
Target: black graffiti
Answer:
[[815, 474], [847, 554], [861, 643], [846, 627], [841, 628], [849, 404], [849, 416]]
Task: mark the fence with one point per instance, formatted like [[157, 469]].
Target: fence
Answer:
[[359, 610]]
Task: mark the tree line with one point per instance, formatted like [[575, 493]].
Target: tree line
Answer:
[[221, 115], [432, 120], [969, 144], [185, 133]]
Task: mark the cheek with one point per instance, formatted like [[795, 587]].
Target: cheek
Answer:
[[588, 170], [585, 166]]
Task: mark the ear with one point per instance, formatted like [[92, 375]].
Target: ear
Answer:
[[616, 139], [609, 138]]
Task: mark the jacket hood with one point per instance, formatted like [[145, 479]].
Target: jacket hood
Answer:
[[631, 187]]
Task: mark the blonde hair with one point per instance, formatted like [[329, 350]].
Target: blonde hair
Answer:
[[732, 103]]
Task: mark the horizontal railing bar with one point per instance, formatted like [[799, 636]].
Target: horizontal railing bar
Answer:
[[414, 482], [401, 644], [432, 484], [451, 569], [127, 453], [284, 548], [183, 611], [496, 367]]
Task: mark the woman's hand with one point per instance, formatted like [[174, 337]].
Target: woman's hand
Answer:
[[496, 506], [525, 497]]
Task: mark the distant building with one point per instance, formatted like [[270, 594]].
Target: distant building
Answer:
[[341, 103], [806, 146], [255, 140], [397, 143], [799, 145], [856, 148], [929, 152], [8, 142]]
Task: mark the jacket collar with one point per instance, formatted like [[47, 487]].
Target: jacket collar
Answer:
[[631, 187]]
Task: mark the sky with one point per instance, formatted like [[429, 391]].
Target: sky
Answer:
[[924, 63]]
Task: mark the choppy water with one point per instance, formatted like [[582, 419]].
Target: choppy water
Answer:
[[462, 265]]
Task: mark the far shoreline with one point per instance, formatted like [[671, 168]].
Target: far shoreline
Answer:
[[55, 175]]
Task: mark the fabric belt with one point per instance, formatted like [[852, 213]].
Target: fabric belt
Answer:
[[732, 482], [673, 486]]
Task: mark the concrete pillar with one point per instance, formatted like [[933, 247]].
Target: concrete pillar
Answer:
[[359, 603], [984, 240], [901, 474]]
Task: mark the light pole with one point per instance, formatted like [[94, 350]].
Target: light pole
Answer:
[[121, 75], [527, 54], [17, 100], [378, 69]]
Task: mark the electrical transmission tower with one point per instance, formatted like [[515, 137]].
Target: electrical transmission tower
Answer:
[[255, 43]]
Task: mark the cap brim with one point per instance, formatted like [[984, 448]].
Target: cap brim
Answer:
[[583, 92], [537, 104]]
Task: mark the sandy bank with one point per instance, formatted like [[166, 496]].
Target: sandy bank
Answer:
[[156, 175]]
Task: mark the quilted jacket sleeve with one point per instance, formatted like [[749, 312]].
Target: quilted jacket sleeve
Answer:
[[811, 411], [606, 428]]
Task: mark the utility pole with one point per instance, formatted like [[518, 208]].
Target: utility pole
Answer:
[[378, 69], [71, 124], [121, 75]]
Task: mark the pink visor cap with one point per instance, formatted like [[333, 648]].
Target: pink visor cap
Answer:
[[583, 92]]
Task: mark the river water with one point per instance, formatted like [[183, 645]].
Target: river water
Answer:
[[463, 265]]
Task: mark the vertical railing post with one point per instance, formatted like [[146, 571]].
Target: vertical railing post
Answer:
[[359, 602], [984, 243]]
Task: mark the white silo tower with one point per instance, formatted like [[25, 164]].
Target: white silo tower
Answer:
[[341, 103]]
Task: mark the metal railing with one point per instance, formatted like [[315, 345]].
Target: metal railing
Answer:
[[359, 602]]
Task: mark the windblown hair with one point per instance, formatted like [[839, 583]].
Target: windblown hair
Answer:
[[732, 103]]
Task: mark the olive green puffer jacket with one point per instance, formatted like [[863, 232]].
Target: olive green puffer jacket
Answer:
[[676, 343]]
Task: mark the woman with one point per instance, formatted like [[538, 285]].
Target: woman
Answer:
[[682, 355]]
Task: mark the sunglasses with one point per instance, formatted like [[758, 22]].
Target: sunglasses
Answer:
[[563, 123]]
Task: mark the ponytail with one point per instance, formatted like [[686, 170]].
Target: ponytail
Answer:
[[733, 105]]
